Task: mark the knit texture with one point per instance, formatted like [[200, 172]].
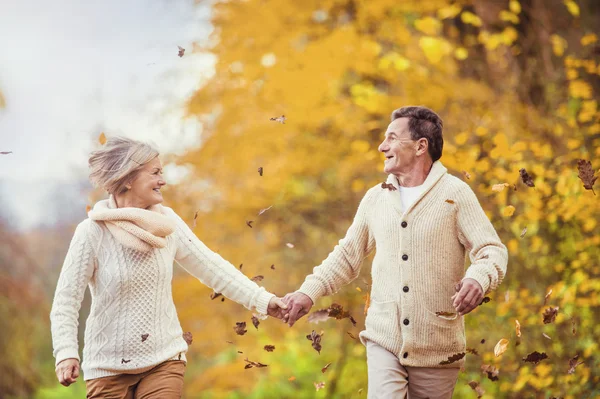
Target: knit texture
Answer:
[[420, 257], [133, 324]]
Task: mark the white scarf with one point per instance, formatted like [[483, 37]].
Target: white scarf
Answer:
[[137, 228]]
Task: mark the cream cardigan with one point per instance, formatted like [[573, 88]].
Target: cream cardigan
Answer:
[[420, 256], [133, 324]]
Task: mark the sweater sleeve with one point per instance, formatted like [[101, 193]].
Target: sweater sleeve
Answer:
[[343, 264], [488, 255], [75, 275], [215, 272]]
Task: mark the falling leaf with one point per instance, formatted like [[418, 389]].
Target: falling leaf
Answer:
[[272, 267], [318, 316], [125, 361], [546, 336], [367, 299], [573, 7], [501, 347], [181, 51], [586, 174], [573, 363], [466, 174], [518, 327], [535, 357], [215, 295], [187, 336], [102, 138], [454, 358], [337, 312], [269, 348], [485, 299], [249, 223], [316, 340], [145, 337], [450, 201], [88, 208], [350, 334], [260, 171], [472, 351], [524, 232], [352, 321], [388, 186], [319, 385], [258, 278], [253, 364], [573, 325], [526, 178], [482, 341], [447, 315], [547, 296], [491, 371], [195, 217], [240, 328], [324, 369], [508, 211], [358, 289], [5, 152], [229, 342], [264, 210], [478, 389], [292, 378], [550, 314], [255, 321], [241, 264], [360, 390], [280, 119], [290, 245], [499, 187]]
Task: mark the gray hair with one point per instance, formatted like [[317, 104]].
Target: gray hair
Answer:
[[423, 122], [118, 162]]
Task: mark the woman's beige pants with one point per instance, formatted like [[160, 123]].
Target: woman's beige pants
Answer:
[[164, 381], [388, 379]]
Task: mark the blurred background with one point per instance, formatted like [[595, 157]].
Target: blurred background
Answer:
[[516, 83]]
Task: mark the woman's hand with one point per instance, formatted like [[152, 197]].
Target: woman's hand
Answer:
[[276, 308], [67, 371]]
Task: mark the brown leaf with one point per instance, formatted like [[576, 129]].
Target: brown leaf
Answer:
[[249, 223], [187, 336], [145, 337], [255, 322], [240, 328], [450, 201], [319, 385], [350, 334], [526, 177], [523, 232], [324, 369], [181, 51], [253, 364], [535, 357], [491, 371], [466, 174], [260, 171], [125, 361], [229, 342], [272, 267], [215, 295], [454, 358], [337, 312], [318, 316], [194, 222], [240, 352], [518, 327], [264, 210], [292, 378], [88, 208], [316, 340], [353, 321], [478, 389], [280, 119], [482, 341], [572, 364], [473, 351], [388, 186], [573, 325], [550, 314], [485, 299], [5, 152], [586, 174], [102, 138], [547, 296], [501, 347], [241, 264], [269, 348], [258, 278], [447, 315]]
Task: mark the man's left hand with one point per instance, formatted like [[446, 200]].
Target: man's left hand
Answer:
[[468, 296]]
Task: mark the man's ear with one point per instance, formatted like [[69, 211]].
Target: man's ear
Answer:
[[422, 146]]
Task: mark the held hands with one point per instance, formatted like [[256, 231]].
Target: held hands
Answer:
[[277, 308], [468, 296], [67, 371], [299, 304]]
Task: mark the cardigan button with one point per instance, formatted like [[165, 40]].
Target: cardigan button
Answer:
[[405, 257], [406, 322], [405, 289], [403, 224], [405, 355]]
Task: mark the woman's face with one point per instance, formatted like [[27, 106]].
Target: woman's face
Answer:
[[145, 189]]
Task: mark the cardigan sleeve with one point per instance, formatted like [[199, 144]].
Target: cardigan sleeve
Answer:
[[75, 275], [489, 257], [343, 264], [215, 272]]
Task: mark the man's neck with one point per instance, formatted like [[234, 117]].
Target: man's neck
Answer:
[[415, 176]]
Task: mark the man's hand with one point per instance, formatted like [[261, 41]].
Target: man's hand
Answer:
[[277, 308], [67, 371], [299, 304], [469, 295]]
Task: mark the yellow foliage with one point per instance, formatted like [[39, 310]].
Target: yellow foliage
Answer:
[[572, 7], [558, 45], [428, 25], [434, 48]]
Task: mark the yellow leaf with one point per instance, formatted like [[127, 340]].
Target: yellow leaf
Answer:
[[449, 12], [435, 49], [358, 289], [590, 38], [461, 53], [367, 302], [501, 347], [514, 6], [102, 139], [558, 45], [509, 210], [470, 18], [572, 7], [499, 187], [580, 89], [509, 17], [88, 208], [518, 327], [428, 25]]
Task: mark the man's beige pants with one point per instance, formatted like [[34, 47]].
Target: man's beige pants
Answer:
[[388, 379], [164, 381]]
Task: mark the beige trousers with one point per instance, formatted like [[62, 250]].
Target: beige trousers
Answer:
[[388, 379], [164, 381]]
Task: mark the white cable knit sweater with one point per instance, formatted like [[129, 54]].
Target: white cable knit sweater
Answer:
[[420, 256], [131, 297]]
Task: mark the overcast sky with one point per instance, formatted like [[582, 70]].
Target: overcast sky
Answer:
[[70, 69]]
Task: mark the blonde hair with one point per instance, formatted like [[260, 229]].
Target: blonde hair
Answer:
[[118, 163]]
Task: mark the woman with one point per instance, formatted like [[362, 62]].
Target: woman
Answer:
[[125, 251]]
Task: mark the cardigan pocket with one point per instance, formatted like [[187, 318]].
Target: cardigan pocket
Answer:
[[382, 326]]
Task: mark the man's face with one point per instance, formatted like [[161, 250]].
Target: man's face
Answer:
[[399, 149]]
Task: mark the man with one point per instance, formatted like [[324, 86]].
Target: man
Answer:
[[422, 221]]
